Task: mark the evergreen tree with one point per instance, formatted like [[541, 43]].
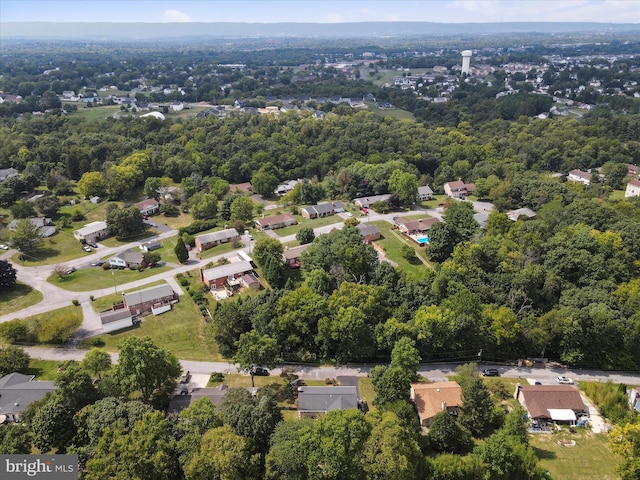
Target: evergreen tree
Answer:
[[181, 251]]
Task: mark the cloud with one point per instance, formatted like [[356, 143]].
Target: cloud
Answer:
[[172, 16]]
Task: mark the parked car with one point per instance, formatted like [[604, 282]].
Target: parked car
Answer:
[[564, 380], [249, 236], [259, 372], [87, 248], [97, 264], [70, 271], [4, 247], [92, 244], [490, 372], [348, 214]]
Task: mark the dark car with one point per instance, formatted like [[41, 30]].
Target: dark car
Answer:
[[92, 244], [490, 372], [259, 372]]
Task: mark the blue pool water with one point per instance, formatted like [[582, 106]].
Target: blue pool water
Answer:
[[423, 240]]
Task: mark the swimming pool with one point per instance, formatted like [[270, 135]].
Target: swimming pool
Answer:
[[422, 240]]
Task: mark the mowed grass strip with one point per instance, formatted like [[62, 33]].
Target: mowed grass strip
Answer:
[[94, 278], [18, 297], [589, 459], [181, 331]]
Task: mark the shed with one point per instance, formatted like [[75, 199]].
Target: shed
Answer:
[[113, 320]]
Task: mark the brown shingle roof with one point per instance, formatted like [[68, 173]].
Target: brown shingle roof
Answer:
[[538, 399], [429, 397]]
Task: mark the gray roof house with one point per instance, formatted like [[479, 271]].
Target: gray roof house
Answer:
[[8, 173], [524, 212], [182, 401], [129, 258], [424, 193], [17, 391], [314, 401], [43, 224]]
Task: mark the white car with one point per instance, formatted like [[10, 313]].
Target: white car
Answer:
[[348, 214], [4, 247], [564, 381]]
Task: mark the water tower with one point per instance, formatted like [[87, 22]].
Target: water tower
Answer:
[[466, 60]]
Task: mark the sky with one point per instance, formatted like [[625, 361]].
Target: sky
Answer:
[[320, 11]]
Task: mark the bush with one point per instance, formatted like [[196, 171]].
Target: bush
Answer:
[[198, 226], [96, 342], [216, 377], [55, 330], [184, 282], [75, 302]]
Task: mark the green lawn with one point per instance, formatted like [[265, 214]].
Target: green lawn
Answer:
[[589, 459], [303, 222], [95, 278], [95, 113], [365, 388], [18, 297], [397, 113], [121, 242], [43, 369], [181, 331], [219, 250], [58, 248], [392, 244]]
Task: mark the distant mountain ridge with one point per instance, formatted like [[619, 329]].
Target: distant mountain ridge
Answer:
[[121, 31]]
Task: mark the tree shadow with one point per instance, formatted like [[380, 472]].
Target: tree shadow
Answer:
[[545, 454]]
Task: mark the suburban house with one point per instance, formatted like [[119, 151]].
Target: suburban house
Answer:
[[245, 187], [148, 207], [43, 223], [424, 193], [277, 221], [17, 392], [579, 176], [557, 403], [633, 189], [210, 240], [114, 320], [316, 401], [156, 300], [459, 189], [520, 212], [366, 202], [129, 258], [184, 400], [91, 232], [436, 397], [291, 255], [369, 233], [286, 187], [8, 173], [320, 210], [150, 246], [632, 170], [231, 273], [416, 227]]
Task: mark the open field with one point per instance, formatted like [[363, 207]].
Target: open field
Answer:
[[394, 112], [181, 331], [94, 113], [58, 248], [589, 459], [94, 278], [18, 297]]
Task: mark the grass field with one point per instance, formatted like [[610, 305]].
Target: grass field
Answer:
[[94, 278], [181, 331], [59, 248], [43, 369], [95, 113], [18, 297], [392, 244], [589, 459], [396, 113]]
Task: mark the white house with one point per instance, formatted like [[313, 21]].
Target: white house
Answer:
[[92, 231], [424, 193], [579, 176], [633, 189]]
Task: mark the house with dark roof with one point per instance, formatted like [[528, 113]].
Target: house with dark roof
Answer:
[[369, 233], [316, 401], [415, 227], [291, 255], [42, 223], [210, 240], [277, 221], [555, 403], [188, 398], [433, 398], [114, 320], [154, 300], [129, 258], [148, 207], [321, 210], [17, 392]]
